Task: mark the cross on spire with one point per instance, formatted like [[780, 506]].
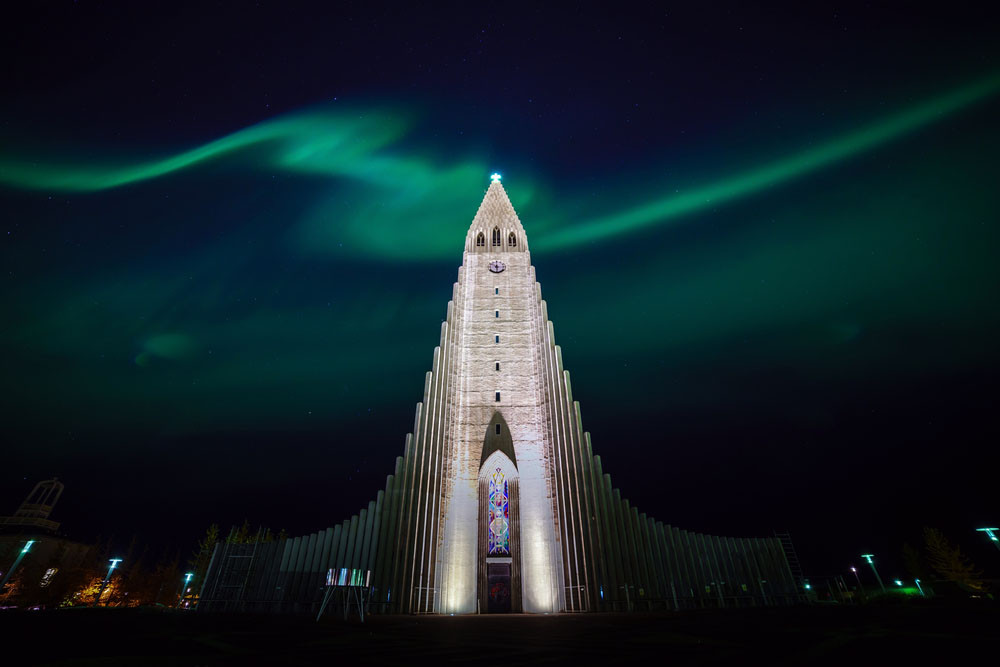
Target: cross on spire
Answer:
[[495, 177]]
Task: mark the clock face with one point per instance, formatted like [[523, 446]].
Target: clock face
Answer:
[[496, 266]]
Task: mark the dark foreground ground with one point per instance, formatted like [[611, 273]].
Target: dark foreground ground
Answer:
[[911, 634]]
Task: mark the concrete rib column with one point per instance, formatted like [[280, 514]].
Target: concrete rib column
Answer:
[[655, 557], [625, 550], [373, 545], [622, 573], [719, 572], [755, 576], [609, 583], [364, 534], [429, 554], [352, 538], [407, 514], [692, 578], [642, 555], [735, 577], [399, 543], [576, 579], [628, 530], [598, 563], [585, 508], [383, 562], [562, 467], [415, 479], [288, 589]]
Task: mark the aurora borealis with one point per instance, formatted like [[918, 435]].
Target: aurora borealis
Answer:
[[767, 241]]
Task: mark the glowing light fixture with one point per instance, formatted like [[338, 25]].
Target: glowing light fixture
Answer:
[[104, 584], [898, 582], [870, 559], [990, 533], [17, 561], [495, 177]]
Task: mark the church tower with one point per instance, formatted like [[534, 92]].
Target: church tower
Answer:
[[494, 486], [498, 516]]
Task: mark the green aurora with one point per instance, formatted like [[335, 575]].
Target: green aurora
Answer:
[[414, 195]]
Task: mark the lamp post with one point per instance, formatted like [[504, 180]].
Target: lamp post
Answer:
[[991, 533], [869, 557], [184, 585], [104, 584], [861, 589], [920, 588], [17, 561]]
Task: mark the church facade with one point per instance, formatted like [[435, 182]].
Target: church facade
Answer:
[[498, 503]]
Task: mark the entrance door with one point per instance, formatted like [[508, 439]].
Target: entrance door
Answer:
[[498, 588]]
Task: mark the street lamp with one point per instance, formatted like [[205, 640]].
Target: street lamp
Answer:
[[990, 533], [920, 588], [104, 584], [899, 583], [17, 561], [861, 588], [869, 557], [184, 585]]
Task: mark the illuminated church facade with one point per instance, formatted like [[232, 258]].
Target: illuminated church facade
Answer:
[[498, 503]]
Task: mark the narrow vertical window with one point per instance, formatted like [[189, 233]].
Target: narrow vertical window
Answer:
[[480, 240], [498, 516], [496, 339], [498, 313], [496, 290], [498, 365], [498, 397], [498, 429], [511, 240], [496, 236]]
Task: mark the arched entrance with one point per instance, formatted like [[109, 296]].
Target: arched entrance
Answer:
[[499, 553]]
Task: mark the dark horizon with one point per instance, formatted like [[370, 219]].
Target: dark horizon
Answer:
[[765, 237]]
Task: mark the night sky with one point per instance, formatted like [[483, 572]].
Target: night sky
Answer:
[[767, 237]]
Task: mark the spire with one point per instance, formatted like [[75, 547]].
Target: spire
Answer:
[[496, 212]]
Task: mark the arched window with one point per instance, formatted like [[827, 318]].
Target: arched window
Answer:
[[499, 516], [496, 236], [480, 240], [511, 240]]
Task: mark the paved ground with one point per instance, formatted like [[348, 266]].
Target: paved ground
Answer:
[[915, 634]]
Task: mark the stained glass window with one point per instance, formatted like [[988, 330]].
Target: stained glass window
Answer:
[[499, 518]]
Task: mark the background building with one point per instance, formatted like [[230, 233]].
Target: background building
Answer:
[[31, 545]]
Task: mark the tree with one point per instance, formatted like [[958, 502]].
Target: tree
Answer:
[[914, 562], [947, 560], [202, 557], [240, 535]]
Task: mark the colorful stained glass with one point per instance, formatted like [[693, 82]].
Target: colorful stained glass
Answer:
[[499, 517]]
